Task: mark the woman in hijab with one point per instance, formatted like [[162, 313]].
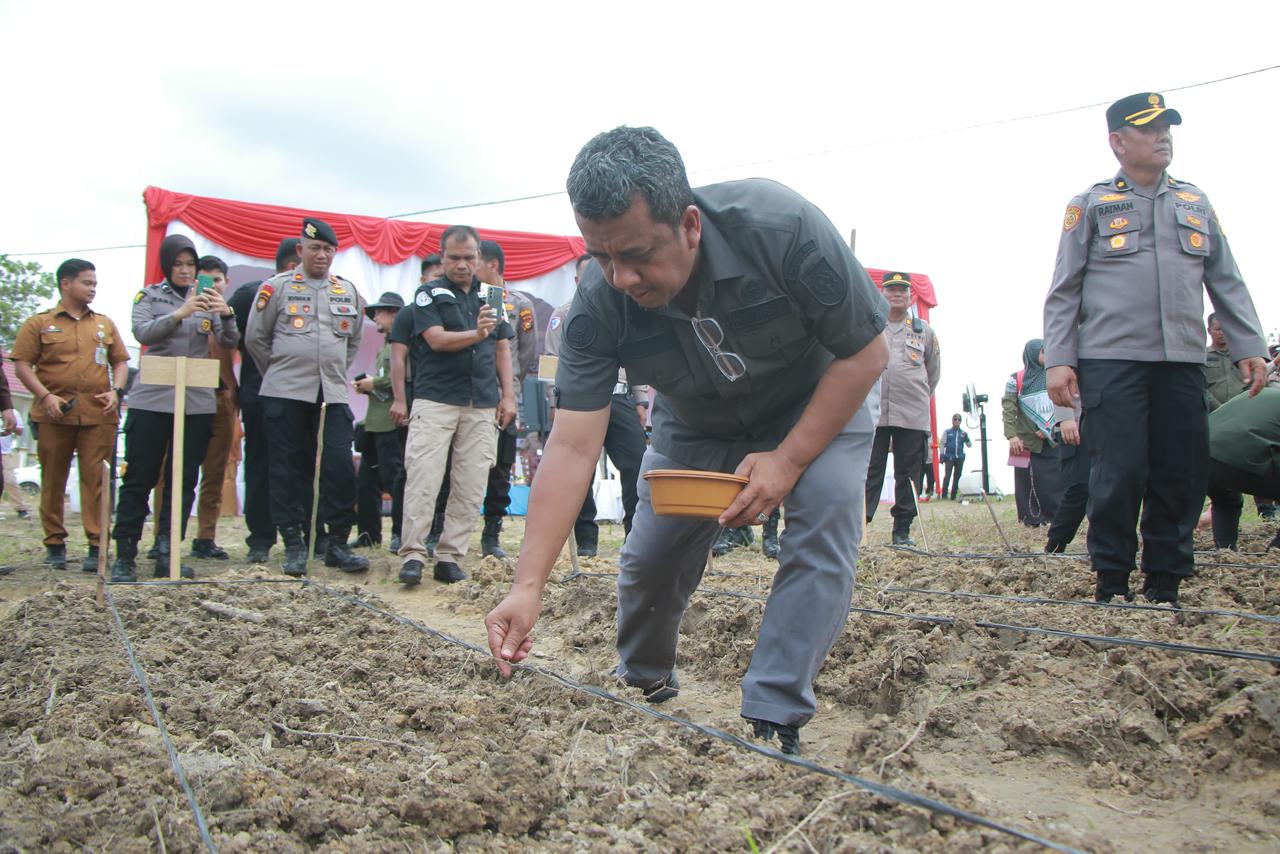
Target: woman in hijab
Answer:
[[1033, 443]]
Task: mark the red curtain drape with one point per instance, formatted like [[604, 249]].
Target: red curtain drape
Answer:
[[255, 230]]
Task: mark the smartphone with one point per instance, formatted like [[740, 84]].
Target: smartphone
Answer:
[[68, 404], [204, 282], [493, 296]]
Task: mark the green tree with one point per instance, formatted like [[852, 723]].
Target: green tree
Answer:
[[24, 289]]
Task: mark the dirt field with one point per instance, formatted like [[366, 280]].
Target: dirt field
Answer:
[[316, 724]]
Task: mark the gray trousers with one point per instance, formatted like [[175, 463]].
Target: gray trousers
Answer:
[[664, 557]]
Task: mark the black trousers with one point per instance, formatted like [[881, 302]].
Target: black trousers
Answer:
[[292, 426], [147, 437], [908, 456], [497, 497], [257, 477], [1226, 483], [381, 470], [1075, 494], [624, 444], [1038, 488], [1147, 431], [925, 483], [951, 472]]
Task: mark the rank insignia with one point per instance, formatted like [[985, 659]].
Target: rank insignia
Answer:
[[1112, 197], [1118, 223], [1194, 220], [1187, 197], [293, 308], [206, 325], [1119, 241], [1122, 184], [337, 289], [310, 230], [1197, 240], [53, 329], [297, 287], [1072, 218], [298, 323], [297, 277], [139, 297], [526, 320]]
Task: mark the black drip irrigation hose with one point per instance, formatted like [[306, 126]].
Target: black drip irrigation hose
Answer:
[[888, 792], [1033, 630], [164, 731], [183, 582], [1065, 555]]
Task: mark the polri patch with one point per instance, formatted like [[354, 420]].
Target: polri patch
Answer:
[[1072, 217], [264, 296], [139, 297], [1118, 223], [206, 325], [298, 323], [823, 282], [526, 320], [1119, 241], [422, 300], [1197, 240], [581, 332]]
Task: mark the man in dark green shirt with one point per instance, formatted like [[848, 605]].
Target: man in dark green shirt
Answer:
[[1244, 457]]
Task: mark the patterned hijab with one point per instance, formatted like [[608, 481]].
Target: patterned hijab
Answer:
[[1033, 373]]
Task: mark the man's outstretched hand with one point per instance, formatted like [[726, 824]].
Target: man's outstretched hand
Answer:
[[508, 627]]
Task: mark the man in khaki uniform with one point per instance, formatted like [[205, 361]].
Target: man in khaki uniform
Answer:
[[72, 353], [303, 332], [908, 382]]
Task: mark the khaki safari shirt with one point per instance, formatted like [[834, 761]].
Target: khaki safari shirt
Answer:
[[1131, 269], [303, 334], [73, 359], [156, 329], [789, 297]]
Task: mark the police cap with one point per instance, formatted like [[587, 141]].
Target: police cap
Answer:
[[316, 229], [896, 280], [1138, 110]]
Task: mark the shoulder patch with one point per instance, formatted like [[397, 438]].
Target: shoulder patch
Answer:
[[555, 321], [823, 282], [441, 292], [580, 332], [422, 300], [264, 296], [526, 320], [1072, 217], [142, 293]]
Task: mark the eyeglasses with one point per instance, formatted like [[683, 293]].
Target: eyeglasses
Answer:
[[712, 336]]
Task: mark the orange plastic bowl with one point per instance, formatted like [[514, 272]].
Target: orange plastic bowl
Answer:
[[688, 492]]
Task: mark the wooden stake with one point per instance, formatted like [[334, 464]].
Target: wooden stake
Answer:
[[104, 536], [315, 486]]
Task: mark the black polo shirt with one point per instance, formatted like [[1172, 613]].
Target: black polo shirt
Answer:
[[466, 377], [241, 303]]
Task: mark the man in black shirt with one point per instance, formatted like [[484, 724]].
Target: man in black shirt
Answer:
[[463, 391]]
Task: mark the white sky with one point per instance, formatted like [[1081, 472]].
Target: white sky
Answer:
[[381, 109]]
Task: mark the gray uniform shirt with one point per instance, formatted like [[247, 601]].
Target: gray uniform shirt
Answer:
[[915, 363], [303, 334], [155, 328], [786, 292], [524, 350], [1129, 275]]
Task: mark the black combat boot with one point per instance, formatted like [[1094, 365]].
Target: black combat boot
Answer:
[[339, 556], [208, 549], [295, 551], [726, 541], [447, 572], [162, 563], [55, 556], [125, 568], [788, 735], [1161, 588], [1112, 583], [769, 536], [91, 560], [902, 533], [489, 544], [433, 536]]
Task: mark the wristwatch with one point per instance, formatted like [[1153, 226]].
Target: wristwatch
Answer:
[[119, 393]]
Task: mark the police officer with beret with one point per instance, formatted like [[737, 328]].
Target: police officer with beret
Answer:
[[169, 319], [1122, 329], [304, 330], [915, 365], [761, 333]]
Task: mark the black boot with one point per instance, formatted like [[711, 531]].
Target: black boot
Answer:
[[125, 568], [1112, 583], [1161, 588], [433, 536], [1054, 547], [788, 735], [55, 556], [726, 541], [489, 544], [448, 572], [162, 563], [339, 556], [208, 549], [902, 533], [411, 572], [91, 560], [295, 551], [769, 536]]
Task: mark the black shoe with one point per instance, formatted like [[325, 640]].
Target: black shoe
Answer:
[[769, 545], [1053, 547], [338, 556], [903, 538], [411, 572], [725, 542], [258, 554], [157, 549], [1112, 583], [662, 690], [588, 550], [394, 545], [24, 514], [91, 560], [447, 572], [363, 541], [208, 549], [1266, 511], [295, 552], [124, 570], [788, 736], [55, 557], [162, 569], [489, 539], [1161, 588]]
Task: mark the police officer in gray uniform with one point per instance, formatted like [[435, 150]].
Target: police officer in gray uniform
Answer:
[[1122, 330], [746, 311], [169, 319], [303, 332]]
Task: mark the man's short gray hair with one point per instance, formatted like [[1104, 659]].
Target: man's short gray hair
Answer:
[[616, 166]]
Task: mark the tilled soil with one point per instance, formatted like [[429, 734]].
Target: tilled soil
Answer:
[[327, 726]]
